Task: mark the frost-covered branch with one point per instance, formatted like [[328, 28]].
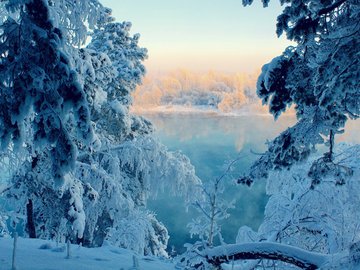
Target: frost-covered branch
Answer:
[[272, 251], [5, 189]]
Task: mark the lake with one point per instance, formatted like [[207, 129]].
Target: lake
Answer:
[[212, 141]]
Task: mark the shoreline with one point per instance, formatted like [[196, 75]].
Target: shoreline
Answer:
[[183, 110]]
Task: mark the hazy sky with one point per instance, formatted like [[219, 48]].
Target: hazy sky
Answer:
[[202, 35]]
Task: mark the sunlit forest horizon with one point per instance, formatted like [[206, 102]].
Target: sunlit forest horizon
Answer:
[[182, 89]]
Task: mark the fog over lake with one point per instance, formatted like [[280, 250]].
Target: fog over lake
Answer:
[[211, 141]]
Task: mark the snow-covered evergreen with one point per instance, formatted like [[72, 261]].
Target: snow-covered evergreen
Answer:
[[40, 91], [320, 76], [108, 162]]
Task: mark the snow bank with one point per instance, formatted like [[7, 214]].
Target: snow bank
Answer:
[[35, 254]]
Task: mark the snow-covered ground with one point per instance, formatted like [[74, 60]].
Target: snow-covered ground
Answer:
[[35, 254]]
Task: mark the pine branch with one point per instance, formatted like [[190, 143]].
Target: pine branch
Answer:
[[331, 7]]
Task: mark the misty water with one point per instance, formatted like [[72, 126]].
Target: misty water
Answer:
[[211, 142]]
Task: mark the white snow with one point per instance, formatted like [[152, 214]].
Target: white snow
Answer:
[[118, 107], [35, 254]]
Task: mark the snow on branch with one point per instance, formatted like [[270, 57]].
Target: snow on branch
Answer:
[[271, 251], [331, 7]]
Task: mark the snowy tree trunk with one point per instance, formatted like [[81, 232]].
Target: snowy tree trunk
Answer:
[[212, 221], [331, 146], [30, 219], [271, 251], [13, 264], [135, 263], [68, 253]]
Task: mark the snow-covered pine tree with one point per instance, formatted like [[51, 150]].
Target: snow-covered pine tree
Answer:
[[40, 92], [104, 197], [112, 67], [135, 165], [320, 76]]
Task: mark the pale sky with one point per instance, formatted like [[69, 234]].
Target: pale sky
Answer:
[[202, 35]]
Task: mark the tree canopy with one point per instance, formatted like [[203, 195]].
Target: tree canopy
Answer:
[[319, 76]]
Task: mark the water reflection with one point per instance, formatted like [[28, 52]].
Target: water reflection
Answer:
[[239, 129]]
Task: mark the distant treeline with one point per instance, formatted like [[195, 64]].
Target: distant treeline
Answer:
[[222, 91]]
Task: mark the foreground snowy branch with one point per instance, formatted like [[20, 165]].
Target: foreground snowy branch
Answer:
[[272, 251]]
